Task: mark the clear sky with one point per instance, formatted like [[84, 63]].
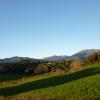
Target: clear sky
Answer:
[[39, 28]]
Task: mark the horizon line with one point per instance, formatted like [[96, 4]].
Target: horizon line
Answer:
[[47, 56]]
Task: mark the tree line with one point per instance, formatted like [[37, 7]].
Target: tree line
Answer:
[[29, 67]]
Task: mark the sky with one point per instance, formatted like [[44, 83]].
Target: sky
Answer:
[[41, 28]]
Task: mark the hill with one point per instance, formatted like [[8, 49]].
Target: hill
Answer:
[[79, 55], [55, 58], [16, 59], [84, 53], [83, 84]]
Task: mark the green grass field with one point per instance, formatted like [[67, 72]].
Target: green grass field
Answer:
[[83, 84]]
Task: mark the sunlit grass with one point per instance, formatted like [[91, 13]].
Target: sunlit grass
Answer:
[[81, 85]]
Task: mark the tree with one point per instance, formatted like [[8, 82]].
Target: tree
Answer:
[[41, 68]]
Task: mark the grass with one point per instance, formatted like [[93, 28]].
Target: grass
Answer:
[[79, 85]]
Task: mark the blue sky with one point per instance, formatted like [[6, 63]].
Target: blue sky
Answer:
[[39, 28]]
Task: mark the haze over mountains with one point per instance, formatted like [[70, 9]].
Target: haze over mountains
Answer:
[[79, 55]]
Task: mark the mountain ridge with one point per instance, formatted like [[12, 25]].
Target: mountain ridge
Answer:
[[16, 59], [79, 55]]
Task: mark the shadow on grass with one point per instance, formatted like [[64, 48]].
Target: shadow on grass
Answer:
[[9, 77], [49, 82]]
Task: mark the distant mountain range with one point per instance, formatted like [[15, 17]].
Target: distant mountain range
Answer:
[[16, 59], [79, 55], [56, 58]]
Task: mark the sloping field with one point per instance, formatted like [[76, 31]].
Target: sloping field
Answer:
[[83, 84]]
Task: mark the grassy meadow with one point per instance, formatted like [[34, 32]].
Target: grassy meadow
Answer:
[[83, 84]]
